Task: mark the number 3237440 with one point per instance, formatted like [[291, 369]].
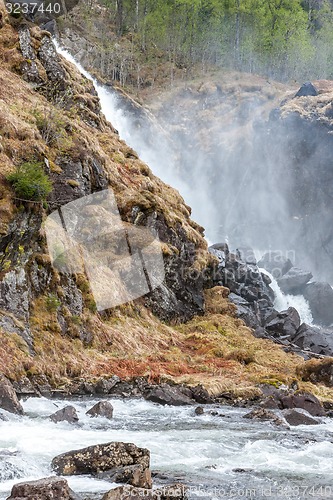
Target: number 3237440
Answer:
[[33, 7]]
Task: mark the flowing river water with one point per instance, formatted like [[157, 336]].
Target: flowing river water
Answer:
[[222, 456]]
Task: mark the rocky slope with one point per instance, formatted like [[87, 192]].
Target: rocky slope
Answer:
[[50, 330]]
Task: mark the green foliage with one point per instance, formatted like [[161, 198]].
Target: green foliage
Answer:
[[30, 182], [280, 38], [52, 302]]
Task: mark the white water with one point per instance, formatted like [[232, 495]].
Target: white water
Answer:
[[282, 301], [197, 450]]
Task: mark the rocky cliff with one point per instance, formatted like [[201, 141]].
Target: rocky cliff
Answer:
[[50, 118]]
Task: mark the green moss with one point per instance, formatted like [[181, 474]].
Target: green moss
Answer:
[[30, 182]]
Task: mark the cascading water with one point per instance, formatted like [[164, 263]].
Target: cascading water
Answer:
[[156, 151], [283, 301]]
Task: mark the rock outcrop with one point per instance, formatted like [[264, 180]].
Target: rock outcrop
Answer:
[[101, 409], [67, 414], [8, 398], [118, 460], [50, 488]]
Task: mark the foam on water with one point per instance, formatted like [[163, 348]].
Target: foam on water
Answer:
[[202, 450], [282, 301]]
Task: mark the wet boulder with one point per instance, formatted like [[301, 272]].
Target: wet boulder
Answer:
[[320, 298], [314, 339], [67, 414], [50, 488], [100, 458], [136, 475], [294, 281], [305, 401], [263, 415], [275, 263], [101, 409], [201, 395], [294, 417], [8, 397], [285, 323], [167, 395]]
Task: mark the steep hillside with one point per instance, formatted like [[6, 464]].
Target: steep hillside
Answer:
[[50, 330]]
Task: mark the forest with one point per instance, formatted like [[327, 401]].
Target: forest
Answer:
[[281, 39]]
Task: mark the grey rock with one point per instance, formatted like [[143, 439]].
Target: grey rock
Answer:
[[199, 410], [275, 263], [314, 339], [8, 397], [264, 414], [101, 409], [49, 58], [100, 458], [167, 395], [286, 323], [50, 488], [320, 298], [294, 280], [307, 89], [67, 414], [294, 417], [135, 475], [305, 401]]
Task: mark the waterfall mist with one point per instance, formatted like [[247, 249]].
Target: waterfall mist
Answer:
[[221, 146]]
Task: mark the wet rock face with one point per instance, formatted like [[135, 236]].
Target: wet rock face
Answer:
[[294, 281], [320, 298], [181, 295], [314, 339], [51, 488], [8, 398], [275, 263], [100, 458], [285, 323]]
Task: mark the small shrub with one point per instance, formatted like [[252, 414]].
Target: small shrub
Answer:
[[52, 302], [30, 182]]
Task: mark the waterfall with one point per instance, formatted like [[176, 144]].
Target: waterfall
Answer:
[[156, 151], [283, 301]]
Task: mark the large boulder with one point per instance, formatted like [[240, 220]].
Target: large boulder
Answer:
[[136, 475], [294, 281], [100, 458], [285, 323], [305, 401], [101, 409], [294, 417], [275, 263], [67, 414], [320, 298], [166, 395], [314, 339], [263, 415], [8, 397], [50, 488]]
